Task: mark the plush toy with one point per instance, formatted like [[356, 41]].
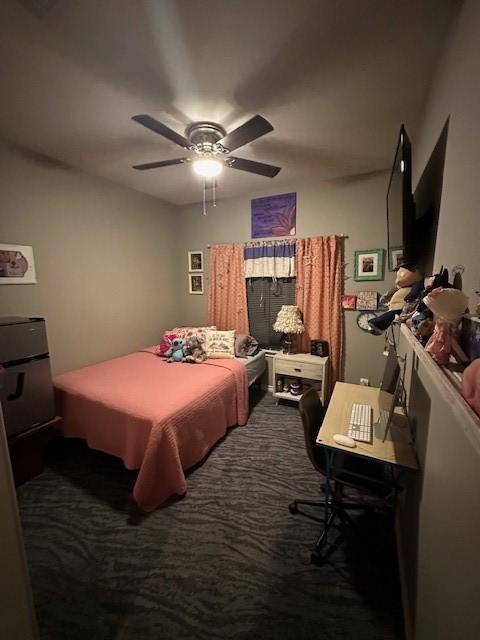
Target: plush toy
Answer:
[[195, 350], [166, 343], [471, 385], [421, 320], [407, 289], [448, 307], [176, 353]]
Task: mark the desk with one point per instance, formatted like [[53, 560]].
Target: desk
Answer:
[[397, 448]]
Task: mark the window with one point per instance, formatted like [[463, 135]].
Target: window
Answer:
[[265, 298]]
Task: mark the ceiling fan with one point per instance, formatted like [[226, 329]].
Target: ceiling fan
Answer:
[[211, 145]]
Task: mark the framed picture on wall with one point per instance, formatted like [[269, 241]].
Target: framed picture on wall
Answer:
[[368, 264], [367, 300], [195, 283], [16, 264], [349, 301], [195, 261], [395, 258]]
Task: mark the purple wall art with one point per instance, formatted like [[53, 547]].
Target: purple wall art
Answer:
[[274, 216]]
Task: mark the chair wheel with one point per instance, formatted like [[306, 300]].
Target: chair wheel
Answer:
[[317, 559], [292, 507]]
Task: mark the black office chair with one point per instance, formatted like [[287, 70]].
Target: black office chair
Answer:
[[348, 471]]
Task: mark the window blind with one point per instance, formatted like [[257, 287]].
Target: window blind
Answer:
[[265, 298]]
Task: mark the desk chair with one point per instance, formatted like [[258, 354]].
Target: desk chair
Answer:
[[347, 471]]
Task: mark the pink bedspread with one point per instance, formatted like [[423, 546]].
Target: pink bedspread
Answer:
[[156, 416]]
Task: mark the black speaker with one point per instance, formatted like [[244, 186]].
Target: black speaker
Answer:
[[319, 348]]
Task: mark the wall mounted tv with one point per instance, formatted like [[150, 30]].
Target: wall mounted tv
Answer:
[[400, 202]]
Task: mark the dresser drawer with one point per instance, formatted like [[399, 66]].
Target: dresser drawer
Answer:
[[298, 369]]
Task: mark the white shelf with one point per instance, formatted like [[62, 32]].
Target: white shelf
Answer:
[[286, 395]]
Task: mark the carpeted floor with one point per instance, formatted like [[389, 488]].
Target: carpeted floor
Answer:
[[227, 561]]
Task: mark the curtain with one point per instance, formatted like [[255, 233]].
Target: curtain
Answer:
[[270, 259], [227, 293], [318, 291]]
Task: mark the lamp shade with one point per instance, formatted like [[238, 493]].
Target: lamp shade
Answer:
[[289, 320]]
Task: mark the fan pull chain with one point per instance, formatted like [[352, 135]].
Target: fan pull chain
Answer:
[[204, 200], [214, 182]]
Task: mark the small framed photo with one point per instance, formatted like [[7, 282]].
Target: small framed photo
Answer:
[[395, 258], [367, 300], [195, 283], [368, 264], [195, 261], [16, 264], [349, 301]]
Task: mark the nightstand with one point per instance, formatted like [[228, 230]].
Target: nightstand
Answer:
[[310, 370]]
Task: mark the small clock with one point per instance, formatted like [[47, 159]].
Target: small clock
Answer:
[[363, 318]]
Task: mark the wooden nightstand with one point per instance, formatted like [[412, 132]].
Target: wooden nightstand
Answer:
[[310, 370]]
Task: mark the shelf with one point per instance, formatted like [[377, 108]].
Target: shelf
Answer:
[[286, 395]]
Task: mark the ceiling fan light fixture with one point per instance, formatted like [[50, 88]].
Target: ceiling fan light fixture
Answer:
[[207, 167]]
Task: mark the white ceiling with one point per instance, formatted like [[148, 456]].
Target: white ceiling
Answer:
[[334, 77]]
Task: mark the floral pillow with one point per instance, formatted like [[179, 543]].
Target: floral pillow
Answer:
[[181, 332], [220, 344], [190, 332]]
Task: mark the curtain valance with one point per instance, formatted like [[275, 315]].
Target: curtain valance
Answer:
[[270, 259]]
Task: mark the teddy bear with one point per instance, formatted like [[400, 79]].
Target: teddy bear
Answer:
[[176, 353], [195, 350], [407, 291], [448, 307]]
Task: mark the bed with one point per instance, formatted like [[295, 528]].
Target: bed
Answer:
[[255, 366], [160, 418]]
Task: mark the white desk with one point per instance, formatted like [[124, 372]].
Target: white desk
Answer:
[[397, 448]]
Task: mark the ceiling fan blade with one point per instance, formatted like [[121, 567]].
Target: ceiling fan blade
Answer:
[[248, 131], [260, 168], [161, 163], [162, 129]]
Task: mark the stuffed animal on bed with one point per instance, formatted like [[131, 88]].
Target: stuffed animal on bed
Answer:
[[166, 343], [195, 350], [176, 353]]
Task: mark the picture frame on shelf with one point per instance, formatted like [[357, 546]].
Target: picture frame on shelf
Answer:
[[367, 301], [349, 301], [195, 261], [195, 283], [395, 258], [368, 264]]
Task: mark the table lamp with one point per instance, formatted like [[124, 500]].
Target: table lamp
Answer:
[[289, 322]]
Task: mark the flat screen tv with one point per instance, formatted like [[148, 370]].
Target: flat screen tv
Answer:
[[400, 203]]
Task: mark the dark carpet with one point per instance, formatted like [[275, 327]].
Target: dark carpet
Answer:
[[226, 561]]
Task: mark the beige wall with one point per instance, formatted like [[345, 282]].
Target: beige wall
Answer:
[[103, 254], [352, 207], [456, 93]]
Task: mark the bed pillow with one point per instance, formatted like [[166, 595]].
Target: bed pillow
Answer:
[[220, 344], [190, 332], [245, 345]]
